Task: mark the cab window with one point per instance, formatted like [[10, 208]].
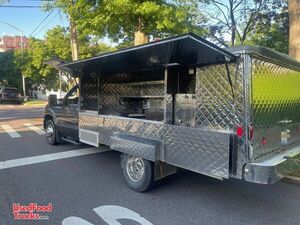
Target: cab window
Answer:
[[72, 97]]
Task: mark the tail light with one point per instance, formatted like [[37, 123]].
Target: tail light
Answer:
[[263, 141], [239, 131], [251, 132]]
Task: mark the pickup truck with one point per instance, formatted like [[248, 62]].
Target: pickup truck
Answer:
[[61, 118]]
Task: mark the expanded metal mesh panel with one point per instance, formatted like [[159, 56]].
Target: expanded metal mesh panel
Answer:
[[218, 105], [89, 93], [111, 95], [275, 107]]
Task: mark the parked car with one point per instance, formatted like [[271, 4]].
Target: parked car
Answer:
[[10, 94]]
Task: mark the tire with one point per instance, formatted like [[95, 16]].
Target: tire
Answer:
[[132, 167], [51, 133]]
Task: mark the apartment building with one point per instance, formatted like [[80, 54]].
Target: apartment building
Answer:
[[12, 42]]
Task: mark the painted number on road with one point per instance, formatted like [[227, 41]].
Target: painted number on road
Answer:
[[110, 214]]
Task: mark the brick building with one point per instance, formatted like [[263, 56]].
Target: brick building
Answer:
[[12, 42]]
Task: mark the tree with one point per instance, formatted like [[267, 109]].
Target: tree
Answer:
[[55, 45], [8, 73], [240, 17], [294, 22], [272, 28], [124, 19], [33, 67], [68, 7]]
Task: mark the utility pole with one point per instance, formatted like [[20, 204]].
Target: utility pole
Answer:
[[23, 78]]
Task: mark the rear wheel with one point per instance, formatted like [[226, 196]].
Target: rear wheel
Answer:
[[51, 133], [138, 172]]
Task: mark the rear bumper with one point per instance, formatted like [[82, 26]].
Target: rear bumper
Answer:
[[272, 168], [11, 99]]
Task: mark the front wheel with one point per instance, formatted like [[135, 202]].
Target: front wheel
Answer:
[[51, 133], [138, 172]]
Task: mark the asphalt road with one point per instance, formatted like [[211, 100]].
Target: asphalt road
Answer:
[[89, 189]]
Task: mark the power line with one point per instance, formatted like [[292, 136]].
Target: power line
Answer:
[[42, 22], [46, 24], [20, 6]]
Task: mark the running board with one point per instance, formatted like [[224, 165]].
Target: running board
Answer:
[[71, 141]]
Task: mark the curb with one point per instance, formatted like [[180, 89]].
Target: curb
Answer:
[[292, 179]]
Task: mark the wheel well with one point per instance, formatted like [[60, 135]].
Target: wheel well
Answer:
[[47, 118]]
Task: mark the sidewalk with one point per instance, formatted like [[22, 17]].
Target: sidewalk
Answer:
[[293, 178], [35, 102]]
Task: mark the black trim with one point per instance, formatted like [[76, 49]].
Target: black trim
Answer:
[[267, 54]]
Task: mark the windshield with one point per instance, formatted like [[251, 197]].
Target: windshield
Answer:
[[10, 90]]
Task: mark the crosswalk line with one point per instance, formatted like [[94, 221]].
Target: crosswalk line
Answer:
[[10, 131], [35, 128], [50, 157]]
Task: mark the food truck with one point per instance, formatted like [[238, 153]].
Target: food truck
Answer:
[[183, 102]]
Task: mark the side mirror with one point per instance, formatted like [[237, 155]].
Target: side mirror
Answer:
[[52, 100]]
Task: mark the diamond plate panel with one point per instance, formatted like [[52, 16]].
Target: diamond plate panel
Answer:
[[106, 126], [220, 107], [275, 107], [138, 146], [199, 150]]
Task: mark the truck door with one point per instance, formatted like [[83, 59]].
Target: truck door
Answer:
[[67, 116]]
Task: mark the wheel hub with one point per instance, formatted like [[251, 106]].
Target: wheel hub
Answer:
[[135, 168], [49, 130]]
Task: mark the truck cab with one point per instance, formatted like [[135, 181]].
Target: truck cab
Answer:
[[61, 117]]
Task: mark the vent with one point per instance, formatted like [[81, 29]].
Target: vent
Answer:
[[89, 137]]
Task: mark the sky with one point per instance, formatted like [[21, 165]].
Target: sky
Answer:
[[27, 19]]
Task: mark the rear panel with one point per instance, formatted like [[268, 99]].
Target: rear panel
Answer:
[[222, 107], [275, 107]]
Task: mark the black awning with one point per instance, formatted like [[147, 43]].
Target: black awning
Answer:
[[186, 50]]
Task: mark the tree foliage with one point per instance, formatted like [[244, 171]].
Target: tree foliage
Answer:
[[234, 22], [8, 73], [120, 19], [272, 29], [55, 45]]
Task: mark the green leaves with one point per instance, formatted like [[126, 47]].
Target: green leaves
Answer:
[[56, 44], [120, 19], [8, 72]]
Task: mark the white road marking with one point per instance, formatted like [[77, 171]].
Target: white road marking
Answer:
[[8, 118], [11, 132], [35, 128], [49, 157], [110, 214]]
